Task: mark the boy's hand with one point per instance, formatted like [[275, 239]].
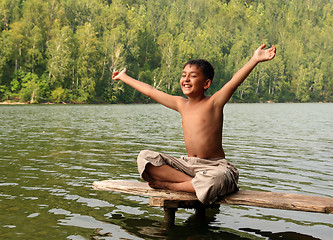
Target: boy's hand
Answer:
[[261, 54], [116, 75]]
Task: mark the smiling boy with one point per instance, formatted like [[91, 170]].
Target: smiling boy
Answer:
[[204, 170]]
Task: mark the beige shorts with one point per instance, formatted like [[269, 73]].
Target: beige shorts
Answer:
[[212, 178]]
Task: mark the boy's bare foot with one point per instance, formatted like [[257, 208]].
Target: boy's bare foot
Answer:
[[159, 184], [178, 186]]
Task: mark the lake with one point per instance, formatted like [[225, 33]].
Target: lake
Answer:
[[51, 154]]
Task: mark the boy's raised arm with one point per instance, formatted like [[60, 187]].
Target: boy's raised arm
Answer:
[[260, 55], [159, 96]]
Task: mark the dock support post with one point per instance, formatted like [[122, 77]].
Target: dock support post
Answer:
[[169, 216], [200, 212]]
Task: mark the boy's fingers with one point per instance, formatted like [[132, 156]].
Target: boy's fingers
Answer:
[[114, 74], [272, 52], [262, 46]]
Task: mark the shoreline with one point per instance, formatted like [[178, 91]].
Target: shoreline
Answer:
[[64, 103], [24, 103], [11, 102]]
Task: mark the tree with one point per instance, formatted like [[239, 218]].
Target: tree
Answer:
[[34, 56], [60, 57], [9, 13], [113, 53], [87, 64], [18, 43]]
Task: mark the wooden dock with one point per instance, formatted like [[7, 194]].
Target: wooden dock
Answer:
[[172, 200]]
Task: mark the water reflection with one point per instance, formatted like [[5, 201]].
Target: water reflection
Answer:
[[195, 227], [198, 227], [283, 235]]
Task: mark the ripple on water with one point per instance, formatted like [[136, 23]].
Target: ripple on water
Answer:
[[50, 155]]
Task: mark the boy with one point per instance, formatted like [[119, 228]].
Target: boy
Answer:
[[204, 171]]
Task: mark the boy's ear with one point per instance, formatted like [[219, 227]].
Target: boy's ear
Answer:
[[208, 82]]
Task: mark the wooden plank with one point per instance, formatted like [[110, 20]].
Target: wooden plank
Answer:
[[285, 201], [173, 199], [139, 188]]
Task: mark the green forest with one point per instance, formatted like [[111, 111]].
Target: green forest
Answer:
[[64, 51]]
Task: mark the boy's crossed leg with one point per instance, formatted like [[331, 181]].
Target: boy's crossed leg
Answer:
[[166, 177]]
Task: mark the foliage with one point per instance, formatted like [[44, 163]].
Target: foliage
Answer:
[[33, 89], [66, 50], [59, 95]]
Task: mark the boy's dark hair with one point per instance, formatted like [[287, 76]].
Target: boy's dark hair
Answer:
[[206, 68]]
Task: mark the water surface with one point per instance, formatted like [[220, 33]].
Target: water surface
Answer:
[[51, 155]]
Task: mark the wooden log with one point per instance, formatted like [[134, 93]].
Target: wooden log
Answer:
[[173, 199], [285, 201], [139, 188]]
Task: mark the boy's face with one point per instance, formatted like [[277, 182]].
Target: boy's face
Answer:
[[193, 82]]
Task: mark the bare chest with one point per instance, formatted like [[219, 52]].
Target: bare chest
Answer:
[[201, 119]]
